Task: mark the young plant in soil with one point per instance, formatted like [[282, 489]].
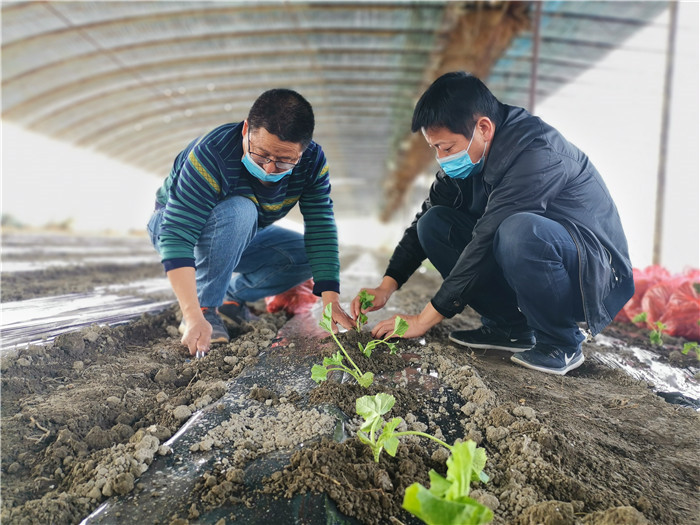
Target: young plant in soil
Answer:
[[400, 327], [447, 501], [365, 302], [654, 335], [687, 347], [692, 345], [335, 362]]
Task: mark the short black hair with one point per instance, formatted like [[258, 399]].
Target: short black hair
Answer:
[[455, 101], [285, 114]]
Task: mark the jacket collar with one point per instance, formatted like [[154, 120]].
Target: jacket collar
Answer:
[[517, 130]]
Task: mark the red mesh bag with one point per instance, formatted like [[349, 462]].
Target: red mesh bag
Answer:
[[643, 280], [655, 299], [683, 312], [294, 301]]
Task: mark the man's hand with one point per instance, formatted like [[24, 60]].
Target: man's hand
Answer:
[[338, 315], [381, 295], [197, 336], [417, 324]]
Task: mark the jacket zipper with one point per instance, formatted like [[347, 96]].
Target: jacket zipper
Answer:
[[617, 279]]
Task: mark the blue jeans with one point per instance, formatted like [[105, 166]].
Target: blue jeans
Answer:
[[237, 261], [533, 282]]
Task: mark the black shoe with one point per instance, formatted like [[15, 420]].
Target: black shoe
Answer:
[[219, 333], [550, 359], [237, 312], [493, 339]]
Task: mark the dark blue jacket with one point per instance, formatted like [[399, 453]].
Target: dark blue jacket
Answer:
[[532, 168]]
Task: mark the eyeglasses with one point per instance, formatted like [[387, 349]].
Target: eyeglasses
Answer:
[[264, 161]]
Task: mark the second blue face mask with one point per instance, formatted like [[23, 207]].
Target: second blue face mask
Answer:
[[257, 171], [460, 165]]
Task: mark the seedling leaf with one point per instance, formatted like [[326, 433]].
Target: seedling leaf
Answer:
[[327, 320], [640, 318], [373, 407], [367, 352], [438, 485], [366, 379], [400, 326], [387, 440], [371, 346], [335, 360], [463, 467], [433, 510], [447, 502], [655, 335], [365, 302], [319, 373], [362, 319], [687, 347]]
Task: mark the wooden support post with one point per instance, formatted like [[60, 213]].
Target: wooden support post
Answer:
[[663, 145]]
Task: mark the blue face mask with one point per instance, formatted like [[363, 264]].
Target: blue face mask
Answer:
[[257, 171], [460, 165]]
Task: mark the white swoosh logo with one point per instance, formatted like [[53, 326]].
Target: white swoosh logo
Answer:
[[568, 359]]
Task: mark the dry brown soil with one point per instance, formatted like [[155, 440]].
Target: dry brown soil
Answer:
[[83, 418]]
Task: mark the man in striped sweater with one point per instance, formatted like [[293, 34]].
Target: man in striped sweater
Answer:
[[213, 223]]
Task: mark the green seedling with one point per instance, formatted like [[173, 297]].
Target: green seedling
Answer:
[[640, 318], [447, 501], [320, 372], [400, 327], [365, 302], [687, 347], [655, 334]]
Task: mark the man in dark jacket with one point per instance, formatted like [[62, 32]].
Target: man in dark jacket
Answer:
[[521, 227]]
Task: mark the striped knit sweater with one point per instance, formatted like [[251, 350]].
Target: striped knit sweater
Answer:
[[210, 170]]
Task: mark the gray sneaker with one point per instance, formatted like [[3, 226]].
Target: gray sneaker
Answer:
[[219, 333], [550, 359]]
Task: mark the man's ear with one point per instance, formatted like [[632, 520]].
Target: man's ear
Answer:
[[487, 128]]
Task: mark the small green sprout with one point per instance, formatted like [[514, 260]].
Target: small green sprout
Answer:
[[400, 327], [365, 302], [655, 334], [640, 318], [687, 347]]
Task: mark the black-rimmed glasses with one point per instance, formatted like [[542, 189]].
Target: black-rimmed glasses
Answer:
[[264, 161]]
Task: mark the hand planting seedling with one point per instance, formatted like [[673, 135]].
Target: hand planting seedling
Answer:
[[320, 372], [400, 327], [447, 502], [365, 302]]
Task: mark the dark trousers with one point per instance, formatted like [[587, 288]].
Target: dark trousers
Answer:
[[534, 284]]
